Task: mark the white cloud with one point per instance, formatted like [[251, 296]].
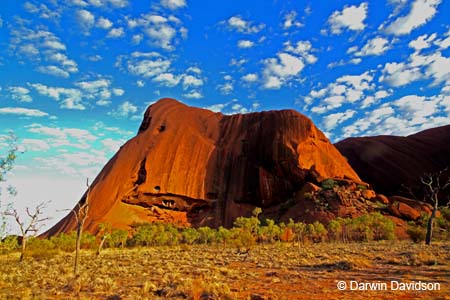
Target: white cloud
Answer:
[[124, 110], [111, 144], [22, 112], [303, 49], [35, 145], [116, 33], [290, 20], [237, 23], [98, 90], [86, 20], [226, 88], [193, 95], [444, 43], [351, 18], [375, 46], [161, 31], [54, 71], [173, 4], [191, 81], [346, 89], [332, 120], [43, 49], [104, 23], [422, 42], [167, 79], [216, 107], [144, 64], [251, 77], [278, 70], [431, 66], [42, 10], [421, 12], [118, 92], [245, 44], [101, 3], [20, 94]]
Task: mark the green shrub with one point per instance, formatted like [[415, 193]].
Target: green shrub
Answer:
[[9, 243], [361, 187], [328, 184], [416, 233], [117, 238]]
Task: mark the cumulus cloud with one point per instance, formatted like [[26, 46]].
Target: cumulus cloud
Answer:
[[422, 42], [421, 12], [144, 64], [104, 23], [278, 70], [346, 89], [251, 77], [86, 20], [20, 94], [173, 4], [332, 120], [116, 33], [376, 46], [350, 18], [20, 111], [418, 67], [245, 44], [193, 95], [288, 64], [43, 49], [124, 110], [161, 31], [237, 23], [302, 49], [42, 11], [167, 79], [290, 20]]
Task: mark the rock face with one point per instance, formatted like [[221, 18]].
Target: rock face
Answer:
[[391, 163], [192, 166]]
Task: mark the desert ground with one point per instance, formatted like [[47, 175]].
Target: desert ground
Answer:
[[283, 271]]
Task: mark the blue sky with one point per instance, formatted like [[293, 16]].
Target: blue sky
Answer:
[[77, 75]]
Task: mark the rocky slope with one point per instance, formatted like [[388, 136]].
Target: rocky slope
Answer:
[[393, 164], [191, 166]]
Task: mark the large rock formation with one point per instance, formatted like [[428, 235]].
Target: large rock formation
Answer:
[[393, 164], [192, 166]]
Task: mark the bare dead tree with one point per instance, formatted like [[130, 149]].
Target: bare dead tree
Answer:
[[435, 186], [104, 233], [34, 225], [81, 213]]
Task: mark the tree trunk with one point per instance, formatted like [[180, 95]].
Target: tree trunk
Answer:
[[430, 226], [100, 246], [77, 249], [24, 245]]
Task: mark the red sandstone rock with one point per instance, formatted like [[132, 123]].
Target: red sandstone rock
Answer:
[[417, 205], [368, 194], [391, 163], [404, 211], [204, 168], [309, 188], [381, 198]]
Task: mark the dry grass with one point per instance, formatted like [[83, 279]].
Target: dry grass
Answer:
[[278, 271]]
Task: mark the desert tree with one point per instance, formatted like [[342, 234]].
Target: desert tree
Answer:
[[104, 233], [81, 213], [30, 228], [435, 185]]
